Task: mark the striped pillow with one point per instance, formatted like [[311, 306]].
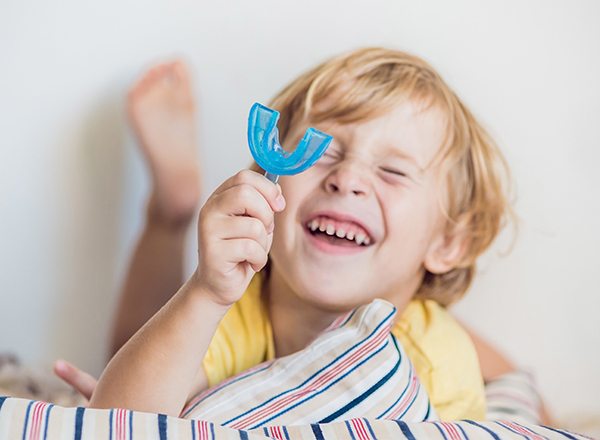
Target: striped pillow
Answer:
[[356, 368]]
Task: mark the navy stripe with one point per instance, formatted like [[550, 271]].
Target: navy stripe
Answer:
[[350, 430], [27, 419], [212, 430], [488, 430], [326, 388], [440, 429], [193, 425], [370, 428], [243, 435], [222, 387], [47, 419], [79, 422], [110, 419], [162, 426], [344, 354], [357, 400], [316, 429], [405, 430], [266, 431], [428, 410], [2, 399], [559, 431], [461, 430], [130, 425], [285, 431]]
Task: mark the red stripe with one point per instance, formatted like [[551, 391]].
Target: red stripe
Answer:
[[359, 429], [38, 408], [221, 385], [452, 429], [524, 431], [412, 391], [318, 381]]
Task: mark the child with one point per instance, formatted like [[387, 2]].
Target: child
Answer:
[[407, 197]]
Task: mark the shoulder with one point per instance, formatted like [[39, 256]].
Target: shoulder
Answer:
[[445, 359]]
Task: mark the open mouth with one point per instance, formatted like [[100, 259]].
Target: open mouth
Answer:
[[339, 233]]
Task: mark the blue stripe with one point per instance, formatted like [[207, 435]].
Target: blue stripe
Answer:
[[110, 420], [485, 428], [266, 431], [212, 430], [370, 429], [217, 389], [79, 423], [2, 399], [350, 430], [162, 426], [344, 354], [461, 430], [405, 430], [316, 429], [285, 431], [410, 376], [193, 425], [27, 418], [130, 425], [243, 435], [312, 396], [357, 400], [559, 431], [440, 429], [428, 409], [47, 419]]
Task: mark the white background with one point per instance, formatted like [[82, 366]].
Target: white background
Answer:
[[72, 184]]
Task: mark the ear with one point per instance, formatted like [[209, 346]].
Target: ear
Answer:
[[446, 249]]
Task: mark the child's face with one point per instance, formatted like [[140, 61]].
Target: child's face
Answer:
[[373, 185]]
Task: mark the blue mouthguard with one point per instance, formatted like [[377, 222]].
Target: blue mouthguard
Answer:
[[263, 139]]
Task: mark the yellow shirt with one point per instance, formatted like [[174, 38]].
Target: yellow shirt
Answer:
[[441, 351]]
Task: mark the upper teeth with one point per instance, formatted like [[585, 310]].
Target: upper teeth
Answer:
[[329, 228]]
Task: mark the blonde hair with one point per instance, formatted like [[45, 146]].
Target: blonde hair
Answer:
[[366, 83]]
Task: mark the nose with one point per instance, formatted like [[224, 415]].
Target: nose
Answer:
[[348, 178]]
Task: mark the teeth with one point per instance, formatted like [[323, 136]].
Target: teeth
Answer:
[[360, 238], [322, 225]]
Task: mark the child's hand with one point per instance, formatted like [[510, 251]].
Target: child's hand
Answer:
[[235, 232]]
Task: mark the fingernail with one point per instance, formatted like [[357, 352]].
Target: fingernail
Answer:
[[271, 228], [280, 202]]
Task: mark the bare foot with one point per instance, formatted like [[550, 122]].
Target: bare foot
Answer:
[[162, 112]]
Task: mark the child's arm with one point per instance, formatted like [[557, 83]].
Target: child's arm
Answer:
[[155, 370]]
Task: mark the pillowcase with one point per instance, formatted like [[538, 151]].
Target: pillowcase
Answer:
[[355, 368]]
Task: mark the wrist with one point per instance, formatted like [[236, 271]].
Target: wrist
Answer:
[[198, 288]]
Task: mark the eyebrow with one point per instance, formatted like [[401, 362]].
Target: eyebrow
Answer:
[[396, 152]]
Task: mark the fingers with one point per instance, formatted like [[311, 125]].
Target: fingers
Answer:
[[246, 250], [246, 227], [78, 379], [271, 192]]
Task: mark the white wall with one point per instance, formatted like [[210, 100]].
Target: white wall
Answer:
[[72, 184]]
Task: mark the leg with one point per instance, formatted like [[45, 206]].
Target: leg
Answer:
[[162, 113]]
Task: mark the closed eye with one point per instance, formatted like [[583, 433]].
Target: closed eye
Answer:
[[394, 172]]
